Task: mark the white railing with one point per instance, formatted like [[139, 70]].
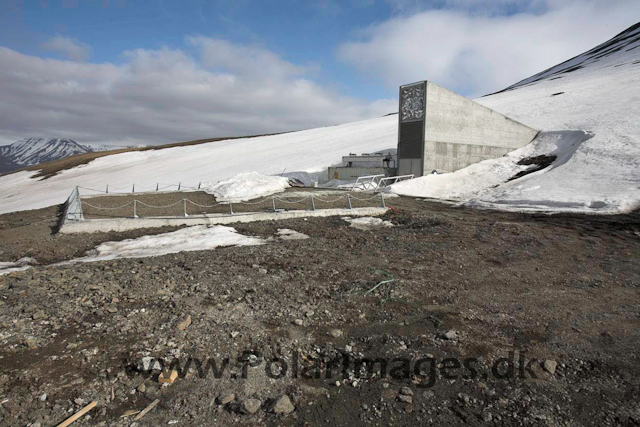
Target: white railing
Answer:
[[131, 190], [368, 182], [390, 180], [377, 182]]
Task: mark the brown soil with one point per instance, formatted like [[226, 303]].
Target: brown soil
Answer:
[[466, 284]]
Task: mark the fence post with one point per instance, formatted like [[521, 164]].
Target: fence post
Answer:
[[382, 200], [230, 208], [107, 188], [133, 189], [135, 208], [349, 199], [273, 200], [185, 207], [199, 184], [157, 185], [78, 213], [179, 184], [313, 204]]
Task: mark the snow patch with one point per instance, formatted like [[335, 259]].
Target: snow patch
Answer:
[[197, 238], [288, 234], [247, 186], [366, 222], [20, 265]]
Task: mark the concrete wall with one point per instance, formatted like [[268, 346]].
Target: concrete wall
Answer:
[[351, 174], [460, 132]]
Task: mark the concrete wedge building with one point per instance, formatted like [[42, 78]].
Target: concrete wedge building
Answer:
[[443, 131]]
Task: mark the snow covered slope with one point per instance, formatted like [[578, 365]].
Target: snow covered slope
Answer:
[[597, 168], [33, 151], [597, 92], [305, 151]]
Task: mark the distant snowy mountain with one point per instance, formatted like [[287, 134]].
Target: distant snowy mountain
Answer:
[[33, 151]]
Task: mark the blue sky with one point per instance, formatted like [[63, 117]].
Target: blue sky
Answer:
[[159, 71], [303, 32]]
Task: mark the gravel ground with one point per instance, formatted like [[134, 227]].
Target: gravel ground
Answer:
[[469, 287]]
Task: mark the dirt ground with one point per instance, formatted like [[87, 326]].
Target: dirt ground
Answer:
[[557, 295]]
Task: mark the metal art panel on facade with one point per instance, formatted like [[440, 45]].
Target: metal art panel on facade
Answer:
[[412, 103]]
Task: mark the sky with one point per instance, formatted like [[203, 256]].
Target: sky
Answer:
[[127, 72]]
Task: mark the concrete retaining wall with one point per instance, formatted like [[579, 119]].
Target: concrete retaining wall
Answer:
[[460, 132], [124, 224]]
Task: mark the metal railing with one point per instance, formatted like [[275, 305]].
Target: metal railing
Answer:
[[368, 182], [376, 182], [74, 204], [390, 180], [170, 187]]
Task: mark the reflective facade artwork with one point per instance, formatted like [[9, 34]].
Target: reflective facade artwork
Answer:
[[412, 105]]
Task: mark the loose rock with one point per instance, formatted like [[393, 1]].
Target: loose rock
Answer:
[[250, 406], [283, 405]]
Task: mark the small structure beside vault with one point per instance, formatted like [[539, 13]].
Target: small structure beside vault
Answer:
[[443, 131], [354, 166]]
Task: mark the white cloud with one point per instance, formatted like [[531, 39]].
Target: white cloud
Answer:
[[69, 48], [475, 53], [159, 96]]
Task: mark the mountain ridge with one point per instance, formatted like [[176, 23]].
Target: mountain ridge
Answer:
[[33, 151]]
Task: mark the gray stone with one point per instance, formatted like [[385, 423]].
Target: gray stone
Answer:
[[38, 315], [283, 405], [336, 333], [223, 399], [550, 366], [406, 391], [405, 398], [250, 406], [451, 335], [184, 323]]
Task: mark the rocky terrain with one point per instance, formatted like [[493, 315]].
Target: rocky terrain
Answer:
[[452, 291]]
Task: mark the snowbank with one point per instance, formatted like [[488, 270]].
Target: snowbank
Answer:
[[493, 176], [247, 186]]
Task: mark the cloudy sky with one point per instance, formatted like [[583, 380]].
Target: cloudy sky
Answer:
[[158, 71]]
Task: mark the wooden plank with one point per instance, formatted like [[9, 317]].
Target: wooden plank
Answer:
[[147, 409], [78, 414]]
